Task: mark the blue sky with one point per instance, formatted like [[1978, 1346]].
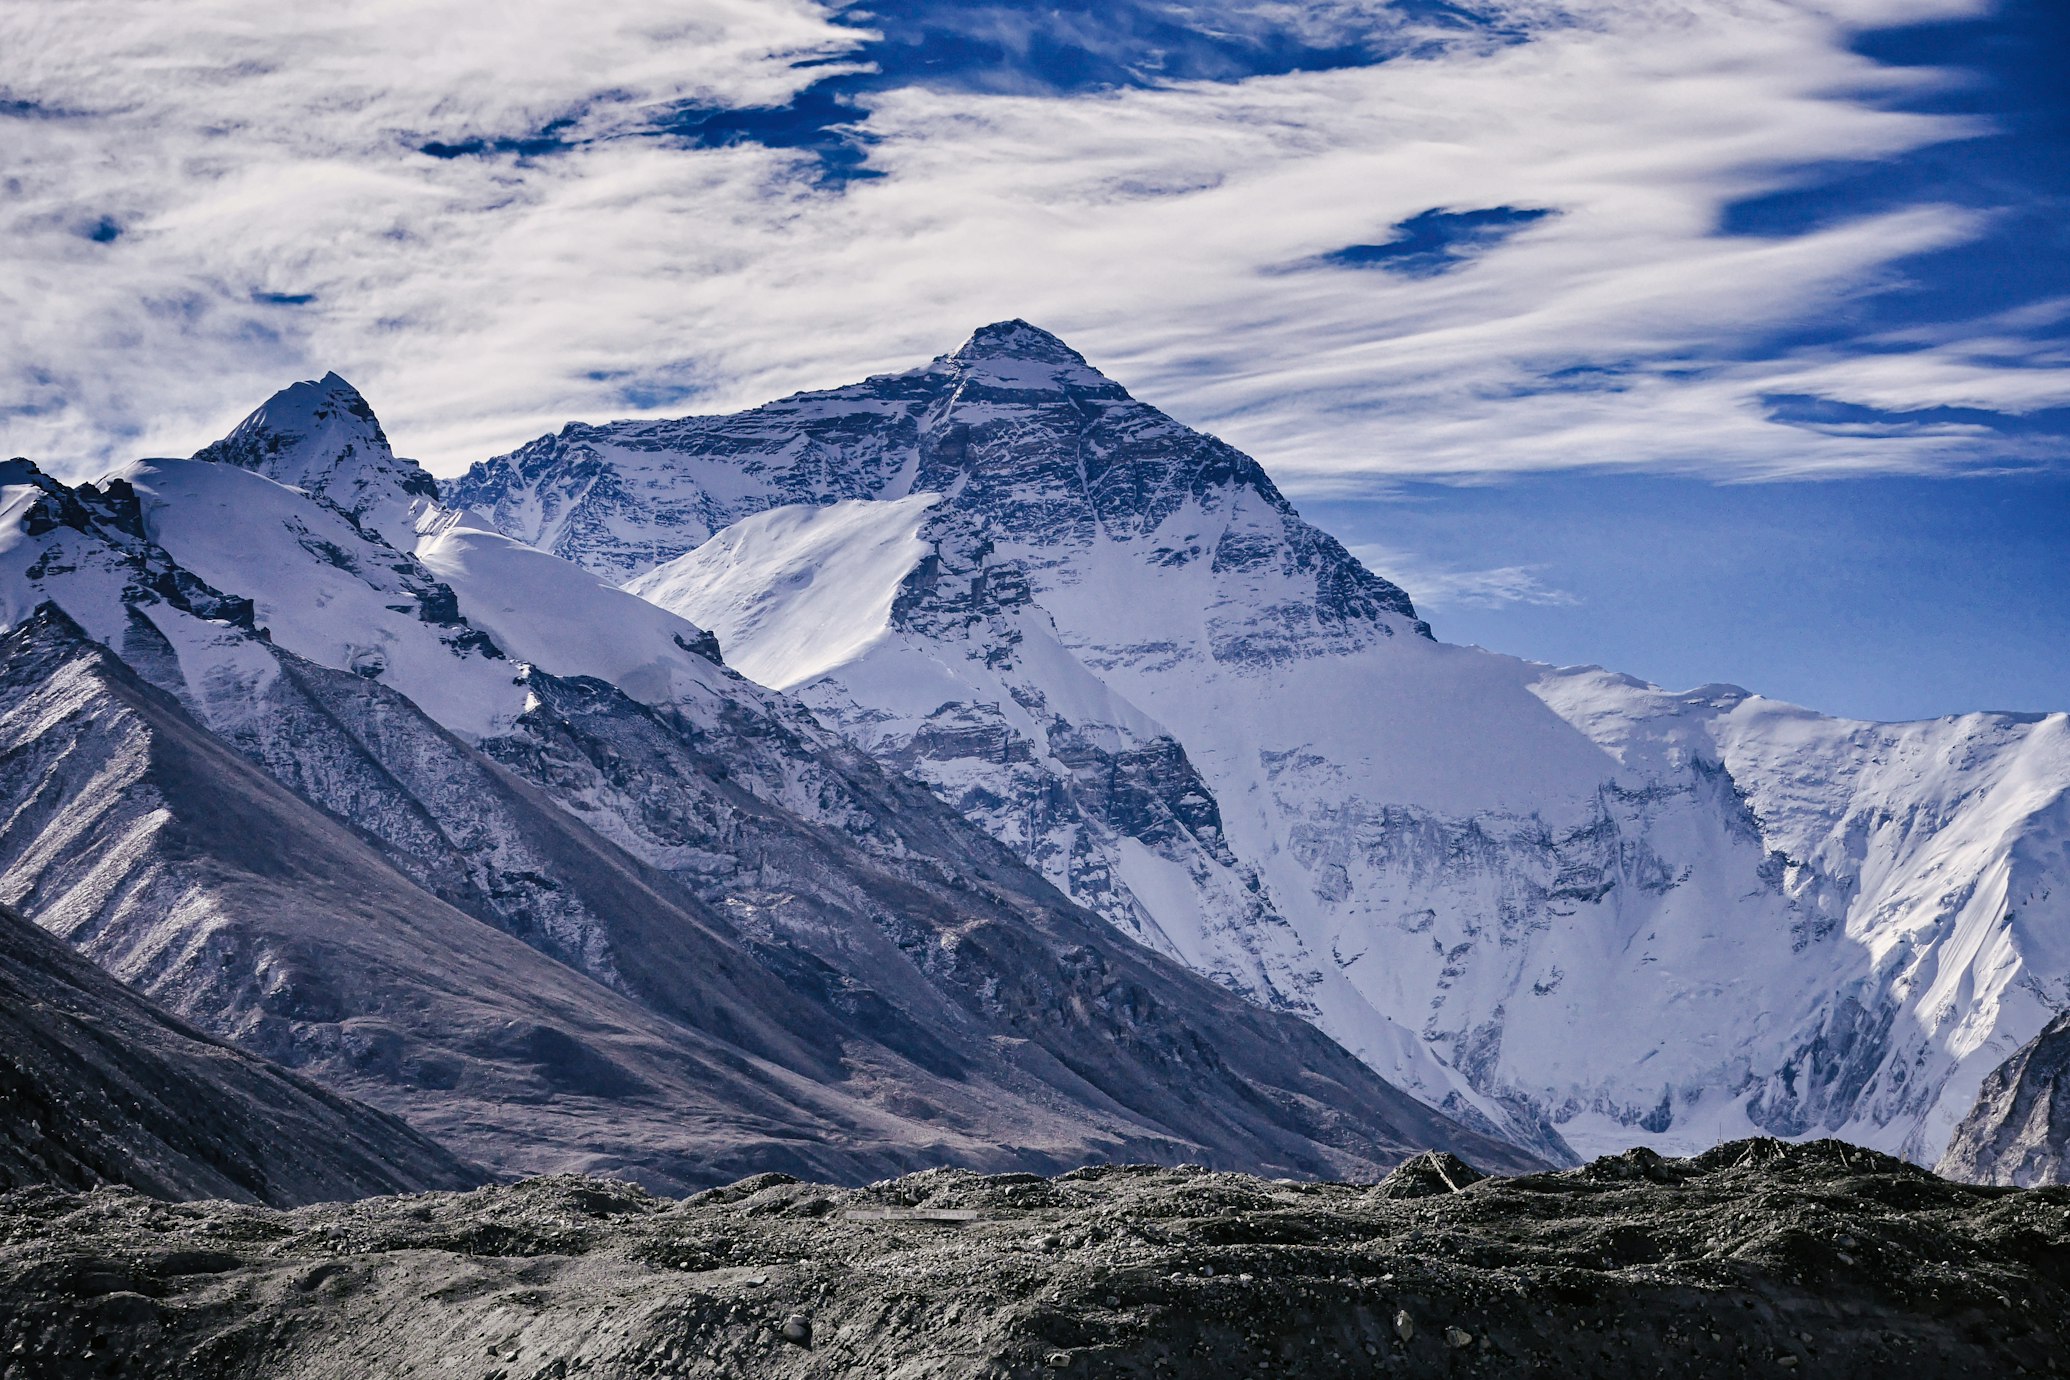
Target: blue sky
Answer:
[[1875, 596], [1878, 598], [1708, 339]]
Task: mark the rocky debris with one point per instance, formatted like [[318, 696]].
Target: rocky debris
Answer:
[[1722, 1264], [98, 1086], [2019, 1130]]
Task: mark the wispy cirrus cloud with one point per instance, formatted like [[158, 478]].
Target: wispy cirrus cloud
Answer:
[[1436, 586], [208, 199]]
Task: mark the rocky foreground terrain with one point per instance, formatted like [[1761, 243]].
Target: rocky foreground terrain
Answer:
[[1756, 1258]]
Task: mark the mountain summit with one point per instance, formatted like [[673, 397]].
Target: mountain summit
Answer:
[[1015, 339], [1014, 357], [1011, 419]]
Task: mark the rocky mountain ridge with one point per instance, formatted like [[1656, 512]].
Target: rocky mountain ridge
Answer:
[[490, 843], [2019, 1130], [98, 1087]]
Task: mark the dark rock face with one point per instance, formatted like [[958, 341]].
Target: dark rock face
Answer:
[[175, 862], [892, 1015], [2019, 1130], [97, 1086], [1757, 1258]]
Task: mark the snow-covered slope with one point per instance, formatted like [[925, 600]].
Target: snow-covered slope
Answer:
[[506, 848], [799, 589], [1556, 898], [562, 619], [962, 681]]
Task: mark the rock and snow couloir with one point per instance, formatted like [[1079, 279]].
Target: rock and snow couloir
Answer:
[[1555, 901]]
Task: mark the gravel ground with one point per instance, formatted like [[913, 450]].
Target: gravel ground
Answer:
[[1756, 1258]]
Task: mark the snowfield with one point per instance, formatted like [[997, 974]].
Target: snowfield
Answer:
[[798, 590]]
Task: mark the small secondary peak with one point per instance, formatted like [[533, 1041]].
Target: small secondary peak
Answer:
[[312, 420], [322, 437], [300, 407]]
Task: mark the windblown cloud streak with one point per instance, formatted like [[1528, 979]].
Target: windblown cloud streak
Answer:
[[207, 199], [1436, 586]]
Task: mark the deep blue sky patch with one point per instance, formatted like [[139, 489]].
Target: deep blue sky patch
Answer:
[[1438, 240], [1799, 410], [1029, 47]]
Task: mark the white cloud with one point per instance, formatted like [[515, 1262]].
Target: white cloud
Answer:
[[1434, 585], [247, 151], [1966, 374]]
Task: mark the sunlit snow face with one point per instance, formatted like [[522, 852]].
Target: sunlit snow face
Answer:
[[1357, 238]]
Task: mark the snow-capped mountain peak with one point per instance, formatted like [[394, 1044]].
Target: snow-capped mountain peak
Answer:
[[1013, 357], [1015, 339], [731, 928], [321, 436], [1544, 896]]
